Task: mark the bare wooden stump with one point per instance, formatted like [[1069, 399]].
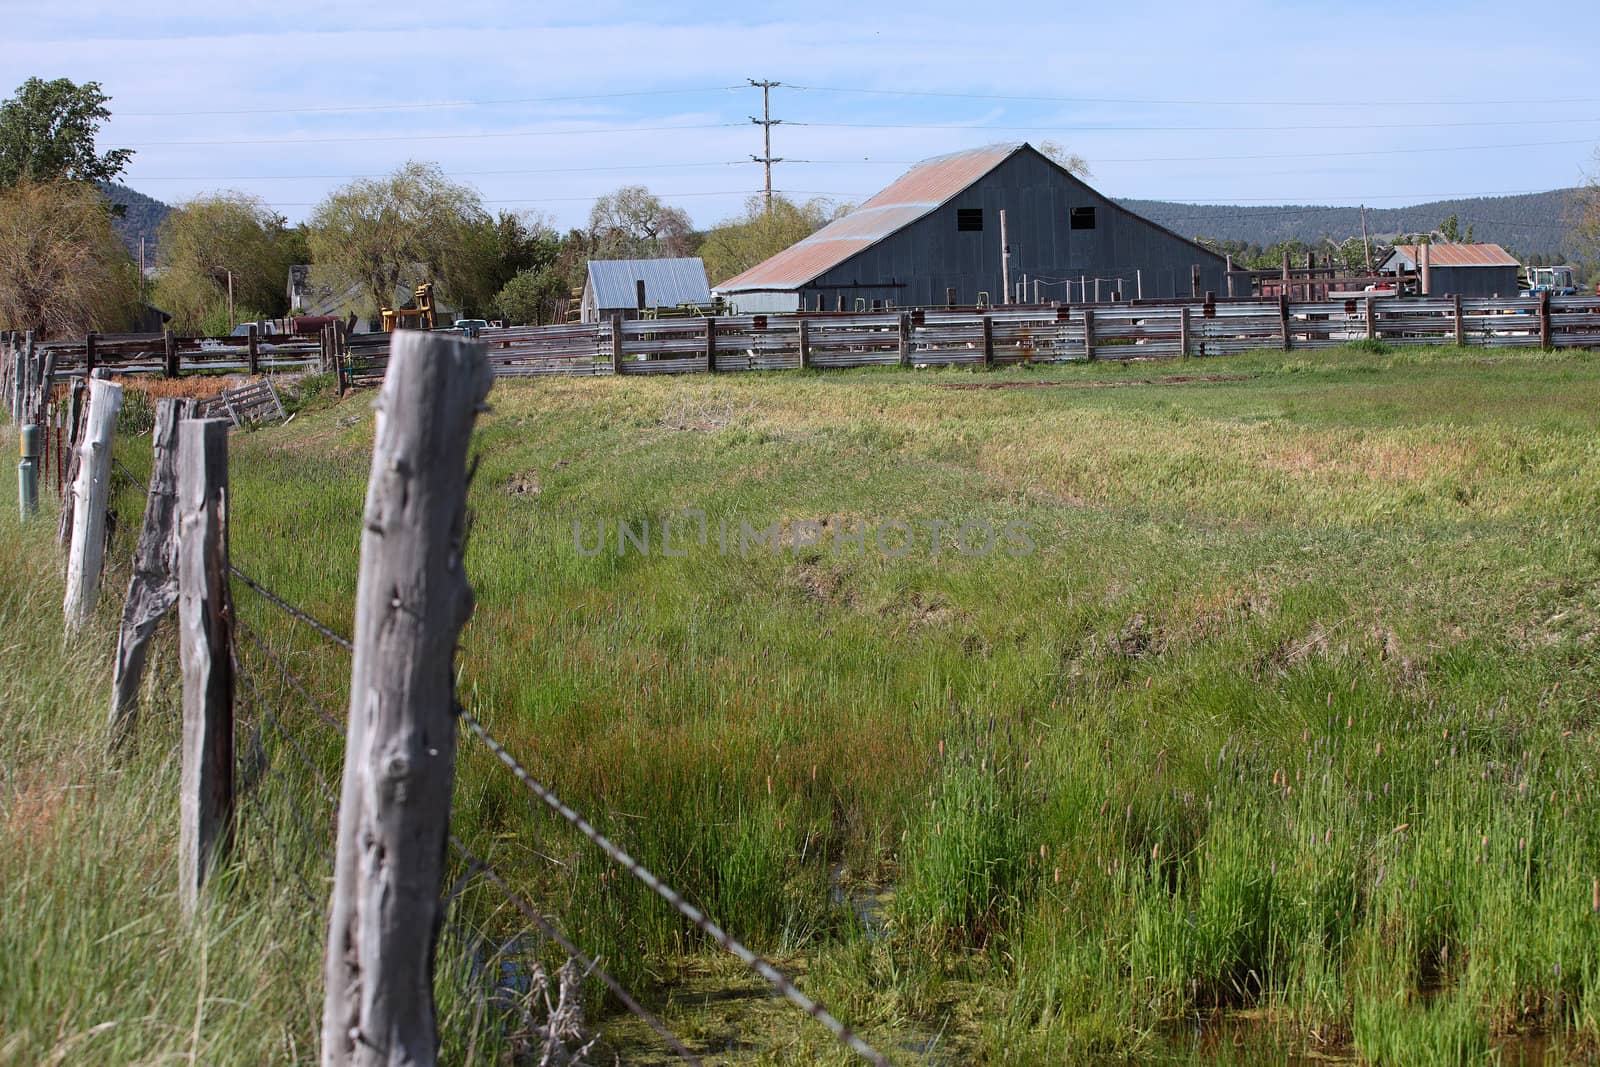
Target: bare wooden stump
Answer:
[[90, 493], [205, 625], [153, 589], [74, 434], [412, 599]]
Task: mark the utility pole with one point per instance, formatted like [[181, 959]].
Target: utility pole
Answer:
[[1366, 247], [766, 122]]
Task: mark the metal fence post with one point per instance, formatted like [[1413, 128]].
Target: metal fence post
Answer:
[[412, 598], [205, 627], [28, 472]]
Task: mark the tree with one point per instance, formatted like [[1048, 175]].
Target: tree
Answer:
[[65, 270], [1070, 162], [208, 238], [738, 244], [512, 244], [388, 234], [1584, 212], [47, 134], [533, 298], [633, 223]]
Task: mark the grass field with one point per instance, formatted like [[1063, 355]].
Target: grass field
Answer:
[[1268, 718]]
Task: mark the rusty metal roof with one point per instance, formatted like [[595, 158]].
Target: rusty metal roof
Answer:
[[914, 194], [1458, 255]]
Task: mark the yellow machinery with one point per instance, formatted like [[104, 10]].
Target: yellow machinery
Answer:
[[420, 317]]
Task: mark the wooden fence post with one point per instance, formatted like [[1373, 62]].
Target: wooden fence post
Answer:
[[153, 589], [91, 344], [1372, 321], [1461, 323], [253, 350], [616, 344], [412, 598], [1088, 333], [711, 343], [1544, 319], [47, 378], [988, 340], [905, 338], [90, 492], [205, 628], [1183, 330], [1283, 312], [170, 349], [805, 344]]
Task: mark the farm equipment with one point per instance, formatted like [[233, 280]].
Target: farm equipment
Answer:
[[419, 317], [1557, 281]]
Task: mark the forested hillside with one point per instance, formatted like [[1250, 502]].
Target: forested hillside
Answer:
[[141, 217], [1532, 225]]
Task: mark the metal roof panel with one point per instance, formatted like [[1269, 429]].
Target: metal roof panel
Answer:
[[666, 282], [1461, 255]]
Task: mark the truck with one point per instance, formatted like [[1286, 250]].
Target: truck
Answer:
[[1557, 281]]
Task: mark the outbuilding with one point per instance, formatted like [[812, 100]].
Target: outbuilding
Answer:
[[934, 237], [627, 287], [1457, 269]]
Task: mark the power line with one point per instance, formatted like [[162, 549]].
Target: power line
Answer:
[[1333, 155], [332, 108], [592, 199], [436, 136], [1190, 102], [1293, 127]]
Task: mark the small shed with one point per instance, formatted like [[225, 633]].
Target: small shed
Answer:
[[628, 286], [1458, 269]]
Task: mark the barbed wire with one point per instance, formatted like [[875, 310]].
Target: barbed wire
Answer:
[[294, 612], [138, 482], [698, 918], [289, 676], [551, 931], [277, 725]]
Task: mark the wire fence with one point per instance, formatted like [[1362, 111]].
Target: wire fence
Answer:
[[298, 753]]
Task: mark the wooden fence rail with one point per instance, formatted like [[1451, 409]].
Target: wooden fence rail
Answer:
[[973, 337]]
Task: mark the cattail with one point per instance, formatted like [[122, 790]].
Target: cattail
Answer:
[[1041, 852], [1595, 895], [813, 772], [1058, 882], [1522, 844], [941, 748], [769, 785], [1148, 679], [1155, 853], [1330, 698], [1353, 685], [938, 829]]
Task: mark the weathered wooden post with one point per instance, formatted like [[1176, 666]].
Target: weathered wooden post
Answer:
[[988, 339], [1088, 333], [711, 343], [18, 366], [47, 381], [169, 362], [90, 493], [1228, 271], [1460, 321], [1544, 319], [1183, 330], [253, 350], [153, 589], [1283, 312], [616, 344], [412, 598], [1372, 320], [805, 343], [205, 628], [91, 344], [904, 325]]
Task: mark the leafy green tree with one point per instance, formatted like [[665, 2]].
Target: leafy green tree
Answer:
[[389, 234], [47, 134], [65, 271], [210, 238], [740, 243], [533, 297], [514, 243]]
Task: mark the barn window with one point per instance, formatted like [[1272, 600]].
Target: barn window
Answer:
[[1083, 218], [969, 218]]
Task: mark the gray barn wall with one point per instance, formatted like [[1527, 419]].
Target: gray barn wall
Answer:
[[931, 254], [1474, 281]]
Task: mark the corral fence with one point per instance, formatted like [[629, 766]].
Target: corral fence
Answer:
[[1008, 336], [359, 801]]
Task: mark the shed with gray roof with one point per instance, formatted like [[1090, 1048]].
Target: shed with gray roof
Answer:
[[613, 286]]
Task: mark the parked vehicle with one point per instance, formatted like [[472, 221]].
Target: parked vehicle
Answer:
[[1557, 281]]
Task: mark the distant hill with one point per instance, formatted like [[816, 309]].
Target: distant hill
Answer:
[[1531, 225], [142, 217]]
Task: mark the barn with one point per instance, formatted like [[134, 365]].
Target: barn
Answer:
[[1458, 269], [933, 238], [626, 287]]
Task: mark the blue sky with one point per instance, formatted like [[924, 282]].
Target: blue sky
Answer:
[[547, 106]]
